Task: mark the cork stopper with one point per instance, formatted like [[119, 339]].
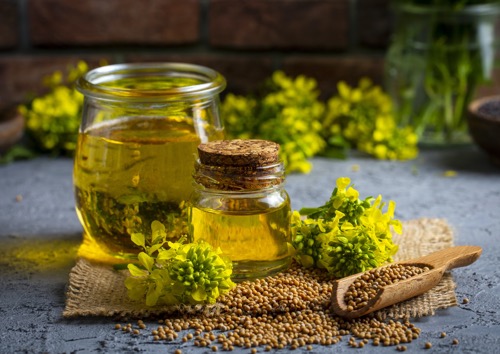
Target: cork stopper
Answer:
[[239, 152], [239, 165]]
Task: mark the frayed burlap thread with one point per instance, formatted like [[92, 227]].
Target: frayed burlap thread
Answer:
[[99, 290]]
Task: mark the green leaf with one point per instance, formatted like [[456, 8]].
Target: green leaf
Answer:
[[17, 152], [136, 288], [136, 271], [165, 255], [120, 266], [199, 294], [308, 211], [153, 295], [154, 248], [138, 239], [146, 260], [158, 233]]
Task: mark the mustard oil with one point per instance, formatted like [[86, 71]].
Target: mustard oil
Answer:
[[128, 173], [241, 206], [141, 124]]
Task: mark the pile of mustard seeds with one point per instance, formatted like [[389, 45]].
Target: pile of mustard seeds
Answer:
[[290, 310]]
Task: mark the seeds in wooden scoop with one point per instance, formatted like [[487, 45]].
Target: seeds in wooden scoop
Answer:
[[366, 286]]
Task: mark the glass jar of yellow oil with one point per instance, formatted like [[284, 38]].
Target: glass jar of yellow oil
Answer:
[[240, 205], [137, 145]]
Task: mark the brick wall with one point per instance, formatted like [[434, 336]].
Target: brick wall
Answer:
[[245, 40]]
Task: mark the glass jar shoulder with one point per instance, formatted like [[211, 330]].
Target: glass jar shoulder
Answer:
[[248, 202]]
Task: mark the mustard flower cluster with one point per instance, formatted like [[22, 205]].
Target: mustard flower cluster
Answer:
[[363, 118], [191, 273], [52, 120], [289, 114], [346, 235]]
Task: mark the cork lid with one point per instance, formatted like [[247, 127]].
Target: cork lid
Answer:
[[238, 152]]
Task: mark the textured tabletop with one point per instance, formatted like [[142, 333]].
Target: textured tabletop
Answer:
[[39, 233]]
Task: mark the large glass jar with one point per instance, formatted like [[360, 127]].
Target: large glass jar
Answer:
[[136, 149], [438, 56], [240, 205]]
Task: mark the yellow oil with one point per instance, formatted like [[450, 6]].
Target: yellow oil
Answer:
[[129, 172], [256, 241]]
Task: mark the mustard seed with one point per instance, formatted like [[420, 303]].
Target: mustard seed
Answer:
[[443, 334], [366, 287], [465, 300], [118, 326], [290, 310], [455, 341], [428, 345]]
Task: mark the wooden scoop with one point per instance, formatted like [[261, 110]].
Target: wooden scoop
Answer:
[[438, 262]]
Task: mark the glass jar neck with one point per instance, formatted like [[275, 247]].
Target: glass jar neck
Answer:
[[246, 179], [151, 82]]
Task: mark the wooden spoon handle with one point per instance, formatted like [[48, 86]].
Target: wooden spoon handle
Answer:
[[449, 258]]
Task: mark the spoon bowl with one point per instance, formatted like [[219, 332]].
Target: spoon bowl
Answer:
[[437, 262]]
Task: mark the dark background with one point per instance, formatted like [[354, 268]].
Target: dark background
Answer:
[[246, 40]]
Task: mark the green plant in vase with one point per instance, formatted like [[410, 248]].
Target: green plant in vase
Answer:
[[441, 51]]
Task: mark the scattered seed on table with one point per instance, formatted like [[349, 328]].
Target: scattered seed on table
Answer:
[[455, 341], [465, 300], [443, 334], [428, 345]]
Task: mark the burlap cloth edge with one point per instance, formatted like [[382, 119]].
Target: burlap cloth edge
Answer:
[[98, 290]]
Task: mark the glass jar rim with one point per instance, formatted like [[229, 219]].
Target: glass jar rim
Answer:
[[486, 10], [92, 83]]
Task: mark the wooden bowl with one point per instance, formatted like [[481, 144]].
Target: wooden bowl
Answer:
[[484, 125]]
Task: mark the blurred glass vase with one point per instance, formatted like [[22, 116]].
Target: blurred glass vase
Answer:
[[438, 56]]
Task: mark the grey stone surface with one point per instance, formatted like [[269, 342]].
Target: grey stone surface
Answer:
[[39, 235]]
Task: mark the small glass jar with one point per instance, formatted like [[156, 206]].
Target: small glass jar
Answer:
[[136, 149], [240, 205]]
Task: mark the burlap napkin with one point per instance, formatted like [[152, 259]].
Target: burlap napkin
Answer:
[[98, 290]]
